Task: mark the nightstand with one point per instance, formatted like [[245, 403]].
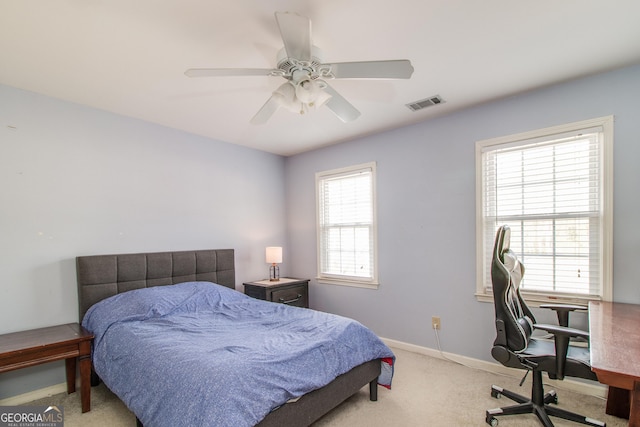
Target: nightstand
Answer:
[[284, 291]]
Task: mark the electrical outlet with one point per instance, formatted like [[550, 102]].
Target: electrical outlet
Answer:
[[435, 322]]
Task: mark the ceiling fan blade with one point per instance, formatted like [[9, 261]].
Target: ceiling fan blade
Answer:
[[265, 113], [340, 106], [393, 69], [295, 31], [220, 72]]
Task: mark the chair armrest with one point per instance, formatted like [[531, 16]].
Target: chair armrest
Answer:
[[561, 336], [569, 307], [563, 310], [562, 331]]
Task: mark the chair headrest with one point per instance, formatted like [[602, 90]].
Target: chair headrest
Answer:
[[506, 240], [502, 243], [509, 259]]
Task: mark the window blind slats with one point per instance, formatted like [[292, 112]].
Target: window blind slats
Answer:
[[548, 191], [346, 224]]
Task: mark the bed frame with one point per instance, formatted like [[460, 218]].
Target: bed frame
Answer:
[[102, 276]]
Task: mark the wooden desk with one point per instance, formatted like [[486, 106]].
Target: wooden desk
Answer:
[[69, 342], [615, 356]]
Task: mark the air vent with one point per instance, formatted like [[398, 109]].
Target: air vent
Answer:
[[424, 103]]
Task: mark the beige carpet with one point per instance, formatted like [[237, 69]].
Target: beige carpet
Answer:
[[426, 392]]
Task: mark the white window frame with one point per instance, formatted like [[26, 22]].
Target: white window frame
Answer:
[[340, 279], [483, 259]]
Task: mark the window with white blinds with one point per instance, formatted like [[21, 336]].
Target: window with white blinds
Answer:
[[553, 188], [347, 225]]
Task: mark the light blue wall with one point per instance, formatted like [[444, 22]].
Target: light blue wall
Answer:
[[79, 181], [426, 210]]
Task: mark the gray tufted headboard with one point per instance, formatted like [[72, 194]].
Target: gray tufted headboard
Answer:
[[102, 276]]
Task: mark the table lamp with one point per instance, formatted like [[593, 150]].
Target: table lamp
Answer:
[[274, 257]]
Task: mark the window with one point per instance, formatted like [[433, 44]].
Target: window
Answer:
[[553, 187], [347, 226]]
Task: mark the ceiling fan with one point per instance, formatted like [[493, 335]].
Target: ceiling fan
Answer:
[[300, 63]]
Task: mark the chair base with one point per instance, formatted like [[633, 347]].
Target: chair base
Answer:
[[542, 408]]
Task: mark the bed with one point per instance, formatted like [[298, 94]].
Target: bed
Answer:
[[104, 282]]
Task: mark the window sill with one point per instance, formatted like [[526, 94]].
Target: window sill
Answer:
[[534, 300], [346, 282]]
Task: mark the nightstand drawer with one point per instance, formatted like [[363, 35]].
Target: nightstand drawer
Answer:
[[295, 295]]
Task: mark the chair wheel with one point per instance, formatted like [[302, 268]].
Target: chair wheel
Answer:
[[551, 397], [492, 421], [495, 394]]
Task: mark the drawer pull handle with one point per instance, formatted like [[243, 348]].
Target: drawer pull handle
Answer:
[[291, 301]]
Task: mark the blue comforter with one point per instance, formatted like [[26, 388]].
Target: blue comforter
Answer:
[[200, 354]]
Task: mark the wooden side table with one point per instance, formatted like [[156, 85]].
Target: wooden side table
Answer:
[[284, 291], [70, 342]]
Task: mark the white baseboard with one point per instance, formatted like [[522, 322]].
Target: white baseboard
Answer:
[[590, 389], [21, 399]]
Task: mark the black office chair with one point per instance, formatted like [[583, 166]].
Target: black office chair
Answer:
[[515, 347]]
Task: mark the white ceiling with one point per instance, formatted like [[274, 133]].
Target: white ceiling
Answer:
[[129, 56]]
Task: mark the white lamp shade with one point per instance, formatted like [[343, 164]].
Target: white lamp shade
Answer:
[[307, 91], [311, 93], [274, 254], [286, 97]]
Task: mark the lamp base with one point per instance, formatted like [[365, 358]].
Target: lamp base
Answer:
[[274, 273]]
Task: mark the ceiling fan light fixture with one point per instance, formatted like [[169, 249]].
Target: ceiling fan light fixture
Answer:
[[285, 95], [301, 97], [307, 91]]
